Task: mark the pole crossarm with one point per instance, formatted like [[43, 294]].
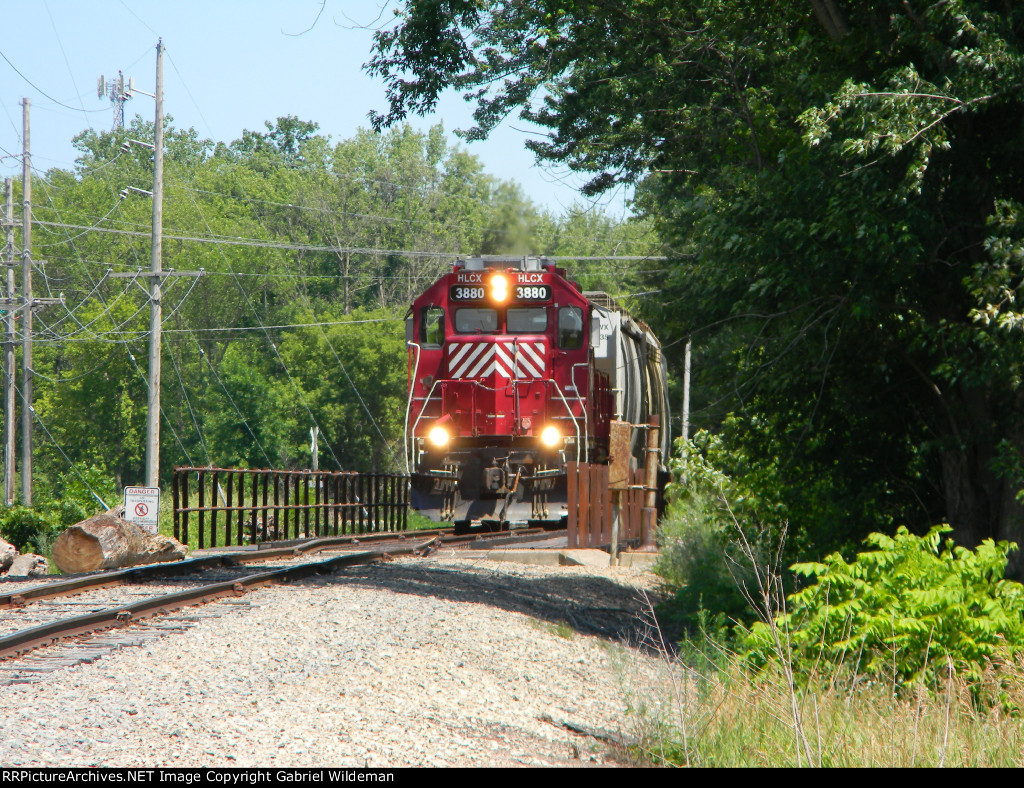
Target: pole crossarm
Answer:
[[19, 304], [146, 274]]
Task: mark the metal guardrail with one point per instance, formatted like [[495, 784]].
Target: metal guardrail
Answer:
[[260, 505]]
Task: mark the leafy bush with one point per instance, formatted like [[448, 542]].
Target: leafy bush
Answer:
[[900, 611], [28, 529], [702, 563], [62, 503], [73, 497]]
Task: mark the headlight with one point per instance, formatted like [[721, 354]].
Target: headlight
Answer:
[[499, 288], [550, 436], [438, 436]]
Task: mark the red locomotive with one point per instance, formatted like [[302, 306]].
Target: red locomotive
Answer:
[[514, 371]]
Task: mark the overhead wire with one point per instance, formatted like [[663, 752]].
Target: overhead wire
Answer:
[[188, 404], [337, 358], [376, 217], [270, 341], [41, 91], [57, 446], [131, 356], [231, 399]]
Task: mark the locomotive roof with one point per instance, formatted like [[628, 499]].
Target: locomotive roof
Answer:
[[504, 262]]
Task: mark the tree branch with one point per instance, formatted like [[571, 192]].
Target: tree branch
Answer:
[[831, 18]]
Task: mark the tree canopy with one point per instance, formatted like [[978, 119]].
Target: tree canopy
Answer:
[[312, 250], [841, 186]]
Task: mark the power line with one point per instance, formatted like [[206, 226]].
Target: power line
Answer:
[[231, 399], [43, 92], [131, 356], [63, 453], [377, 217], [252, 242]]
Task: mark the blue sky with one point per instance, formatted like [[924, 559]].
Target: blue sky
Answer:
[[229, 65]]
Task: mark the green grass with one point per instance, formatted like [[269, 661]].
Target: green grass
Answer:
[[734, 717]]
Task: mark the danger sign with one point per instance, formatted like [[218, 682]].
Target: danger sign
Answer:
[[142, 507]]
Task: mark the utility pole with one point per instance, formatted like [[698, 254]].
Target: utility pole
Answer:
[[26, 294], [156, 272], [9, 404], [686, 390], [27, 304], [155, 269]]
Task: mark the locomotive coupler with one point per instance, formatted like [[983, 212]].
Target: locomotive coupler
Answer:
[[494, 478]]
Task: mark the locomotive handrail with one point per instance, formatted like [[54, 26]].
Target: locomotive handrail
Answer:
[[412, 437], [408, 408], [575, 385], [476, 383], [572, 415]]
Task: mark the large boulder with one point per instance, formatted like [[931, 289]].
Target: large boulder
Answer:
[[108, 542], [28, 565], [7, 555], [160, 549]]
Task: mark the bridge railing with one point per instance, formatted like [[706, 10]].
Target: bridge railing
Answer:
[[235, 506], [591, 510]]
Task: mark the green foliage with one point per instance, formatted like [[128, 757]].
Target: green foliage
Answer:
[[68, 499], [839, 185], [29, 530], [77, 495], [702, 563], [902, 611]]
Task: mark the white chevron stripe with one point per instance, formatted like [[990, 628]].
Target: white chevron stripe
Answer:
[[485, 358], [501, 353], [524, 364], [534, 352], [478, 350], [508, 359], [456, 352]]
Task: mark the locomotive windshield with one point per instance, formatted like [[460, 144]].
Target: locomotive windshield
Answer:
[[474, 321], [532, 320]]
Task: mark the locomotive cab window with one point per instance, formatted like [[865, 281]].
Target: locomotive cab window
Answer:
[[531, 320], [432, 326], [570, 328], [476, 321]]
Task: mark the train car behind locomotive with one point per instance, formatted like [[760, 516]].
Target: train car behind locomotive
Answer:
[[514, 371]]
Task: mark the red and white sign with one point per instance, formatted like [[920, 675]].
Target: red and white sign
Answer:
[[142, 507]]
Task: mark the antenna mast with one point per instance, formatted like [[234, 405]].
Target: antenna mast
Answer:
[[115, 89]]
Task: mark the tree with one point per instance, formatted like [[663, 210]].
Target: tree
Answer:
[[842, 186]]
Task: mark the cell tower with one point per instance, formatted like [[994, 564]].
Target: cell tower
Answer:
[[115, 88]]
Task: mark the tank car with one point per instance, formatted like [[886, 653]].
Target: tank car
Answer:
[[513, 372]]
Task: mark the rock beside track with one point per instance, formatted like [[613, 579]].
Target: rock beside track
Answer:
[[15, 564], [28, 565], [8, 553], [449, 662]]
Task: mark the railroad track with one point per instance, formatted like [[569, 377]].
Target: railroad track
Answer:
[[43, 630]]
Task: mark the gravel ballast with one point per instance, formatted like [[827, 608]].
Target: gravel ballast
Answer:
[[448, 662]]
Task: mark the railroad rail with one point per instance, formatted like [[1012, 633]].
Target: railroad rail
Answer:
[[382, 547]]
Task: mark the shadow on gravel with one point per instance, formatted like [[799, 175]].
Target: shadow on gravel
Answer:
[[589, 604]]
